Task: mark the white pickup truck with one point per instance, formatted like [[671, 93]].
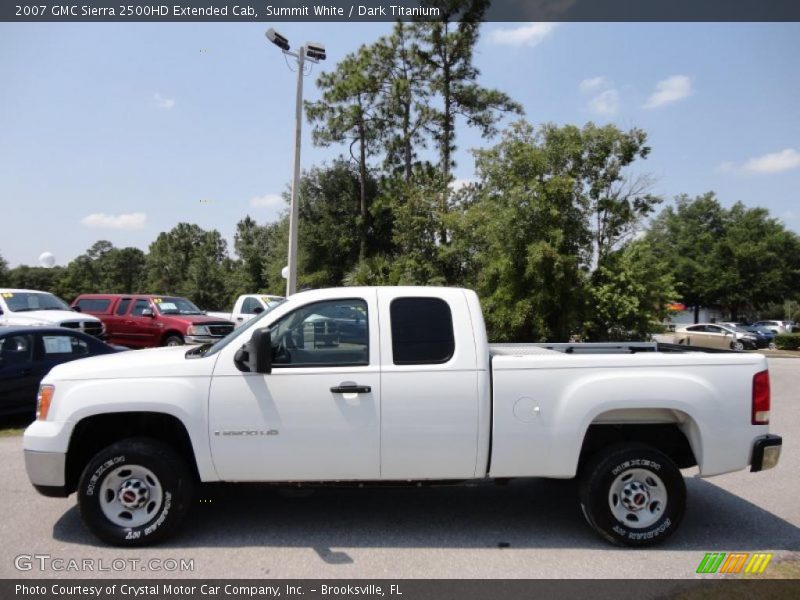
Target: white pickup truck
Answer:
[[248, 306], [411, 392], [42, 309]]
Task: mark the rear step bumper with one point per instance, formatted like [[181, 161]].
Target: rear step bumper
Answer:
[[766, 452]]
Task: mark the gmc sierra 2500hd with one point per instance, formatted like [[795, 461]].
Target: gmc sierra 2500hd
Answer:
[[411, 390]]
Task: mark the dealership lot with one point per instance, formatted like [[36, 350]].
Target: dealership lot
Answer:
[[529, 528]]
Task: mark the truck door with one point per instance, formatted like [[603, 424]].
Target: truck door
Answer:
[[429, 386], [316, 416], [115, 331], [141, 326]]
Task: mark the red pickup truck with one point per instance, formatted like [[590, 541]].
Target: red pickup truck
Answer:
[[147, 320]]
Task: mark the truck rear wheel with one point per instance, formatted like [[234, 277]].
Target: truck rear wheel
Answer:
[[136, 492], [632, 495]]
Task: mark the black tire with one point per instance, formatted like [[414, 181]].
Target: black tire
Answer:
[[168, 495], [173, 339], [737, 346], [645, 476]]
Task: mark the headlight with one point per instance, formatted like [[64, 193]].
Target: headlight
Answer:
[[43, 400], [198, 330]]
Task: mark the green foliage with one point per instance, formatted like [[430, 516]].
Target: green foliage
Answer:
[[737, 258], [788, 341], [34, 278], [330, 245], [629, 293], [189, 261], [3, 270], [526, 237]]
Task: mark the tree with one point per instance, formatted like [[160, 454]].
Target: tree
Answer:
[[330, 205], [687, 236], [738, 258], [446, 46], [629, 294], [524, 238], [189, 261], [252, 243], [348, 111], [404, 107], [34, 278], [528, 238], [3, 270]]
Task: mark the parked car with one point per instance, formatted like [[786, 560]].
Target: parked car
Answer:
[[148, 320], [715, 335], [248, 306], [28, 353], [422, 397], [776, 326], [32, 307], [765, 336]]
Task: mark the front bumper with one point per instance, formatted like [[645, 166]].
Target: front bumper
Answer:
[[202, 339], [46, 471], [766, 452]]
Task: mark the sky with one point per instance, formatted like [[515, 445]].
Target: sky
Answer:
[[120, 131]]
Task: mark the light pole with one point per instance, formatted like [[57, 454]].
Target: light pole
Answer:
[[314, 53]]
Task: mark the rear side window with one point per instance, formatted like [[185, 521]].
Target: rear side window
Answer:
[[422, 331], [93, 305], [250, 305], [123, 306]]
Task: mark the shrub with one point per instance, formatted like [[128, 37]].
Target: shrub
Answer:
[[788, 341]]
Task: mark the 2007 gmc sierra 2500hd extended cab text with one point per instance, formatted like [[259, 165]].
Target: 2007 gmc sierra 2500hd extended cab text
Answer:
[[411, 391]]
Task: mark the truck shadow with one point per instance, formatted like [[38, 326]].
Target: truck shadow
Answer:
[[534, 513]]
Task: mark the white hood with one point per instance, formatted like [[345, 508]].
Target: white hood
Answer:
[[151, 363], [47, 317]]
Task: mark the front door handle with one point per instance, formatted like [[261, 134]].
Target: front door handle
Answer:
[[351, 389]]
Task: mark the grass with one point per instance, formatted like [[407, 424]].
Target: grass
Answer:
[[15, 425]]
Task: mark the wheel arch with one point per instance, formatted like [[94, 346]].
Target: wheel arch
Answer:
[[95, 432]]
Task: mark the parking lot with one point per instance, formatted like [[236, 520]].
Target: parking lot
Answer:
[[528, 529]]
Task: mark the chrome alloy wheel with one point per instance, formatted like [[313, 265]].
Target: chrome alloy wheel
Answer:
[[637, 498], [130, 496]]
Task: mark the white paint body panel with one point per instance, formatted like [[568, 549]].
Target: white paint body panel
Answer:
[[418, 421]]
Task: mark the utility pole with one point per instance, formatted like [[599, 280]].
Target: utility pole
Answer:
[[314, 53]]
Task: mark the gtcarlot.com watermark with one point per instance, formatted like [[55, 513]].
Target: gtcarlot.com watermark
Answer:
[[48, 562]]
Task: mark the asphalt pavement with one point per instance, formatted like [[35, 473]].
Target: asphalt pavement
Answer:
[[527, 529]]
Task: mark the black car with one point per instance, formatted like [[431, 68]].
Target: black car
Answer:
[[28, 353]]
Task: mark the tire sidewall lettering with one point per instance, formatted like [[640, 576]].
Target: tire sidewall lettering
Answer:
[[95, 478]]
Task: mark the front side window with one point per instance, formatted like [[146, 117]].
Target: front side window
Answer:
[[323, 334], [139, 307], [422, 331], [15, 350]]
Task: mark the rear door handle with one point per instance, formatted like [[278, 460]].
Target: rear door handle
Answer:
[[351, 389]]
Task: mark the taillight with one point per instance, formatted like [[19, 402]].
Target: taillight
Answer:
[[761, 398]]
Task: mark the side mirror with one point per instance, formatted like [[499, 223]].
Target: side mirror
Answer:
[[256, 355], [148, 312], [77, 309], [258, 310]]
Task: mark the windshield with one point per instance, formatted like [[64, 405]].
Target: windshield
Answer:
[[209, 349], [176, 306], [27, 301]]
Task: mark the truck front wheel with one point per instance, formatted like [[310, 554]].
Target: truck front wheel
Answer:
[[632, 495], [173, 339], [136, 492]]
